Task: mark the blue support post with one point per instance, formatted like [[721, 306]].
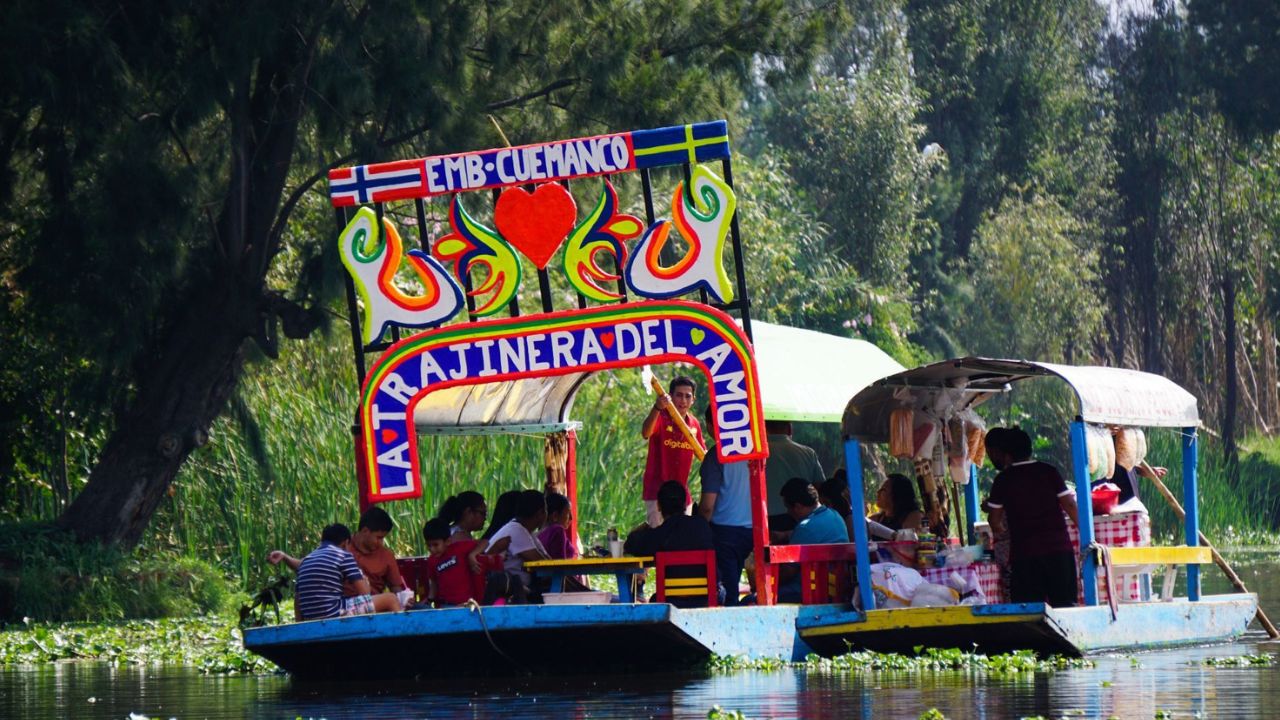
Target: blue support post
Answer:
[[971, 502], [1084, 511], [1191, 504], [853, 461]]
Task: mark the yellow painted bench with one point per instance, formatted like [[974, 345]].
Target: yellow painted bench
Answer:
[[1147, 559]]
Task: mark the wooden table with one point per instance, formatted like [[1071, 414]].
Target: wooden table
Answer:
[[621, 567]]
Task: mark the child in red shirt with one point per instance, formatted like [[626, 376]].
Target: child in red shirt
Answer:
[[450, 580]]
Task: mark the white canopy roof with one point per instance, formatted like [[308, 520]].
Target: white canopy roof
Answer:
[[1108, 396], [808, 376], [804, 375]]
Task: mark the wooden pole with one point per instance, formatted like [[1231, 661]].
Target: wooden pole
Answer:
[[1217, 558], [698, 450]]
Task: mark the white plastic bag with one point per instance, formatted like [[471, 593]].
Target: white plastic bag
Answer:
[[930, 595], [894, 584], [1101, 450]]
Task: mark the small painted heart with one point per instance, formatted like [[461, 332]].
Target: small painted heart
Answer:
[[697, 335], [606, 339], [536, 223], [389, 436]]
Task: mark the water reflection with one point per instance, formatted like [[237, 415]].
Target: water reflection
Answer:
[[1173, 681]]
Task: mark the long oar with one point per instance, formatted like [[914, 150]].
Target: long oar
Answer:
[[1222, 563], [698, 450]]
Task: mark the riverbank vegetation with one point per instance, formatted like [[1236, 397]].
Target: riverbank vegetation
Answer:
[[1036, 179]]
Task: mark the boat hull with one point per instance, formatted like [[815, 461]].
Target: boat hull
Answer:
[[528, 638], [657, 636], [1072, 631]]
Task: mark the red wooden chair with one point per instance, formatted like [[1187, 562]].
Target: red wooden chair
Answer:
[[687, 587]]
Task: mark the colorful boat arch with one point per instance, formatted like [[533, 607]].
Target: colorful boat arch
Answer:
[[550, 344]]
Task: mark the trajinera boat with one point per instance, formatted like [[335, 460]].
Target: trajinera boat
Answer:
[[447, 365]]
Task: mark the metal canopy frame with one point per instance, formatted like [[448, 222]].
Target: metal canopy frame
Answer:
[[1112, 396]]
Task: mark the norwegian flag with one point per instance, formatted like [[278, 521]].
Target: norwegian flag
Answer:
[[375, 183]]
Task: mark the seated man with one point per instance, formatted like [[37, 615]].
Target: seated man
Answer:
[[371, 553], [816, 524], [1031, 497], [677, 532], [321, 575]]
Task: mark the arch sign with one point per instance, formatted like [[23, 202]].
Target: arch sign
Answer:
[[557, 343]]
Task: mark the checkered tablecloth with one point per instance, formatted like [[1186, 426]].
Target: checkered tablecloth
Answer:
[[986, 574], [1131, 529]]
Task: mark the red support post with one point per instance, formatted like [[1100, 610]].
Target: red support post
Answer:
[[760, 530]]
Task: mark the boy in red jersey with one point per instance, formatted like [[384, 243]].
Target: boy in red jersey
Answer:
[[670, 454]]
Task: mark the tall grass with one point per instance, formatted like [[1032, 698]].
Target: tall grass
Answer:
[[230, 506]]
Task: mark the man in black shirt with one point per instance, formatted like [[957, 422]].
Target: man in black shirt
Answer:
[[677, 532], [1032, 498]]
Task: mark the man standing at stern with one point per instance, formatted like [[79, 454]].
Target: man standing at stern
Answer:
[[1031, 497]]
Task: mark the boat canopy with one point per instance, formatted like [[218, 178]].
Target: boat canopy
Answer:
[[1108, 396], [804, 376]]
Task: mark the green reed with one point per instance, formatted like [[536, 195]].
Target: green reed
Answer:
[[1229, 511], [279, 470]]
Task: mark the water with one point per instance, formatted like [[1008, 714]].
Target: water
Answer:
[[1138, 686]]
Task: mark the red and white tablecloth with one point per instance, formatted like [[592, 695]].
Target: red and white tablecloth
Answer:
[[1131, 529], [986, 574]]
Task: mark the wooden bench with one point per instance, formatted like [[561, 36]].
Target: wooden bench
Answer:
[[1149, 559]]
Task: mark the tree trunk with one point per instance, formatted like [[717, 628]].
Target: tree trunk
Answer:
[[194, 371], [1230, 379]]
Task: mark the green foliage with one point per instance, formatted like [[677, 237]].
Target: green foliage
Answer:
[[46, 576], [1035, 292], [924, 660], [718, 713], [227, 508], [1236, 45], [211, 643], [1240, 661]]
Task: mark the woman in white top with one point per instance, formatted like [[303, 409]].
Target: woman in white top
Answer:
[[517, 537]]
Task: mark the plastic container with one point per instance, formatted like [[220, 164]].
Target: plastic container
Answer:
[[591, 597], [1104, 499]]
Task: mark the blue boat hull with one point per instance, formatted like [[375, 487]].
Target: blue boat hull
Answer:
[[657, 636], [534, 638]]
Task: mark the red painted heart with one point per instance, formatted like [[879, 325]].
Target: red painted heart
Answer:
[[389, 436], [536, 223], [606, 339]]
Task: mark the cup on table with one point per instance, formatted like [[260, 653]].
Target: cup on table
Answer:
[[615, 548]]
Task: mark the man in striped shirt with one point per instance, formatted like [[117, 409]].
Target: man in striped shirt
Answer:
[[318, 593]]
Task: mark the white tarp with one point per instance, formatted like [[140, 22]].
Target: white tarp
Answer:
[[1108, 396], [804, 376], [808, 376]]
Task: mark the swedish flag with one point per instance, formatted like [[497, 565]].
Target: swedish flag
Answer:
[[699, 142]]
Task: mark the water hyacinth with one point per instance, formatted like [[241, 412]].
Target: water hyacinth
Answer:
[[925, 660], [211, 643]]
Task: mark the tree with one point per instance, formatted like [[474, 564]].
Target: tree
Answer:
[[154, 157], [1236, 47], [1035, 292]]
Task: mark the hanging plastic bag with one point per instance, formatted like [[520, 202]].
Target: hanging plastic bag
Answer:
[[1131, 447], [977, 445], [926, 439], [959, 469], [901, 433], [1101, 450], [957, 439]]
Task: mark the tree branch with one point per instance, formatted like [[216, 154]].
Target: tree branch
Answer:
[[541, 92]]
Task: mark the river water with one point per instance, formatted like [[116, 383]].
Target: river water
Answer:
[[1174, 683]]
